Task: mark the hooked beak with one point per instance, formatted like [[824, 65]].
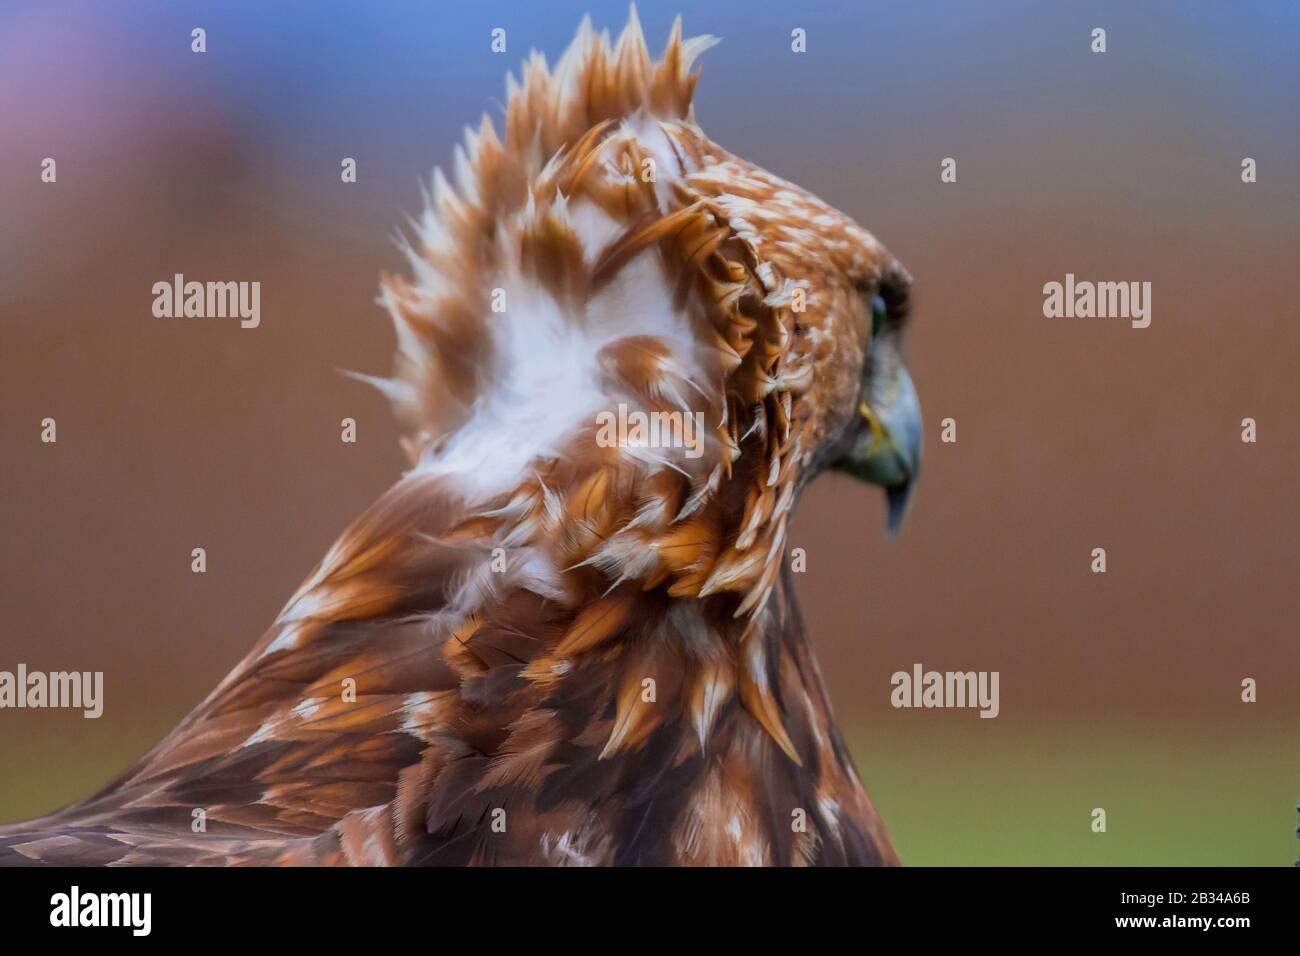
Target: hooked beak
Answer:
[[888, 451]]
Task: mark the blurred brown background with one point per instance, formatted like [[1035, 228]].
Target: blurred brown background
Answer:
[[1118, 690]]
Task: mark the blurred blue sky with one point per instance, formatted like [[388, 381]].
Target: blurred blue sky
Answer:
[[412, 72]]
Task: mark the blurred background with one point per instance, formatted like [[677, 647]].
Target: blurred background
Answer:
[[1119, 691]]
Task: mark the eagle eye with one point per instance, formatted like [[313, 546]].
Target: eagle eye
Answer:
[[879, 315]]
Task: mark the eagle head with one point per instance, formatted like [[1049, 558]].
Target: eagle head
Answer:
[[605, 254]]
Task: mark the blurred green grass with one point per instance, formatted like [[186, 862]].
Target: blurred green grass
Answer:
[[49, 759], [953, 791], [1175, 793]]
